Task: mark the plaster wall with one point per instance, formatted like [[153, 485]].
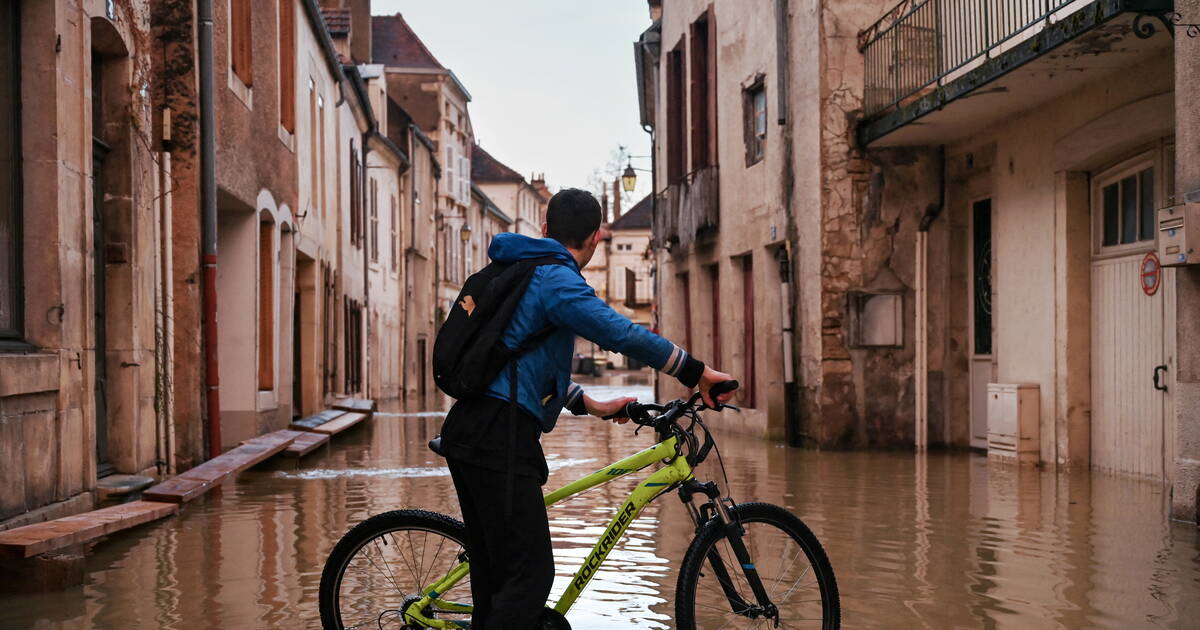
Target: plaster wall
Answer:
[[1026, 182]]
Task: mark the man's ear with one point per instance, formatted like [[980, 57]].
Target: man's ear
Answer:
[[545, 230]]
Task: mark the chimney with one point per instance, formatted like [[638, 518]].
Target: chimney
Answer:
[[616, 200], [604, 206]]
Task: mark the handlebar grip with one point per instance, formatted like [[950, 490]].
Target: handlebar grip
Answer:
[[722, 388], [622, 413]]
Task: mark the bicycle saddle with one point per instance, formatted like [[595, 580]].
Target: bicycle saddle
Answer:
[[435, 445]]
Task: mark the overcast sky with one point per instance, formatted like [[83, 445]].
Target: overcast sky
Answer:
[[552, 82]]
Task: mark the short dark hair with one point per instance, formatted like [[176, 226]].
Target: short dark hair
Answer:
[[572, 216]]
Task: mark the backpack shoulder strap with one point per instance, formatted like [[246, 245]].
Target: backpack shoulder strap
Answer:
[[536, 339]]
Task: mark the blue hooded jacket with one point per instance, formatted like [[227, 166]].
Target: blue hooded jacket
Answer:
[[559, 296]]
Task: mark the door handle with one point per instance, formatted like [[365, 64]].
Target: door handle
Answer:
[[1162, 387]]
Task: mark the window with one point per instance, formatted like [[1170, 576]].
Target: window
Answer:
[[703, 94], [1129, 209], [239, 40], [374, 207], [754, 105], [321, 160], [675, 115], [451, 172], [266, 307], [287, 65], [11, 303]]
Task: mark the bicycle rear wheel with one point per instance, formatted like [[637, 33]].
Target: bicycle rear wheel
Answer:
[[382, 565], [713, 590]]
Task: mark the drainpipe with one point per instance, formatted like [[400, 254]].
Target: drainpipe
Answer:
[[921, 360], [793, 422], [653, 213], [366, 340], [208, 213]]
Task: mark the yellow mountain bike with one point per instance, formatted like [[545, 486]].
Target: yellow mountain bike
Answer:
[[750, 565]]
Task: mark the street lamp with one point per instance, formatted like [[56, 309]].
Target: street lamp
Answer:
[[629, 178], [464, 232]]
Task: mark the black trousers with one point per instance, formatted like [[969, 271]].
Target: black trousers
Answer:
[[512, 564], [488, 447]]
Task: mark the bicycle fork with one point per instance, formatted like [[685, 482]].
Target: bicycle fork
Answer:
[[734, 532]]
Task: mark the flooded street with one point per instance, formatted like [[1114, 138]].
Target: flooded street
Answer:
[[943, 541]]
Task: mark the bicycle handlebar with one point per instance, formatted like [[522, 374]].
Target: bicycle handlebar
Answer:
[[639, 413]]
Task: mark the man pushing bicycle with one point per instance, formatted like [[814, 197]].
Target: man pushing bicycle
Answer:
[[505, 352]]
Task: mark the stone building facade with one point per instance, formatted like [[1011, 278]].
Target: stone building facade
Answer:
[[954, 220], [327, 205]]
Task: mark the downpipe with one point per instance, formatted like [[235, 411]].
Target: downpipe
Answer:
[[921, 264], [208, 224]]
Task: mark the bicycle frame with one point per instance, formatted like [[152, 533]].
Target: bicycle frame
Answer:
[[676, 470]]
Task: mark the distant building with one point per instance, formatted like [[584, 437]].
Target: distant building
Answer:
[[630, 263], [513, 194]]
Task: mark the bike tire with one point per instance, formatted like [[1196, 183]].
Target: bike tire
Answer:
[[758, 514], [360, 535]]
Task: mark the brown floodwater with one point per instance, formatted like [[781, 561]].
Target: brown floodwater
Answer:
[[947, 540]]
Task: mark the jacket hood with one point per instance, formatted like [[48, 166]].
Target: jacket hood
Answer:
[[509, 247]]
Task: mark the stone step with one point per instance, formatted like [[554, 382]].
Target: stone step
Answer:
[[306, 443], [355, 404], [317, 419], [195, 482], [31, 540], [341, 423]]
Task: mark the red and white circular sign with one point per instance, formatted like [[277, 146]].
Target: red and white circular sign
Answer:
[[1151, 274]]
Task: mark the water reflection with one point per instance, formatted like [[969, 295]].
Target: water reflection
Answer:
[[947, 540]]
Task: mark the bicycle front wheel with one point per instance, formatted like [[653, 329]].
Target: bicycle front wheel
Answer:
[[382, 566], [714, 591]]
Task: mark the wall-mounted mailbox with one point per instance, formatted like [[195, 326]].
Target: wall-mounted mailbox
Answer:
[[1179, 235]]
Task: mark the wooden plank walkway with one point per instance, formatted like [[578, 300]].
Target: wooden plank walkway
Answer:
[[202, 478], [340, 424], [306, 443], [30, 540], [355, 404], [317, 419]]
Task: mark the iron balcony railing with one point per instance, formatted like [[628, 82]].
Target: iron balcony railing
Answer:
[[919, 42], [688, 210]]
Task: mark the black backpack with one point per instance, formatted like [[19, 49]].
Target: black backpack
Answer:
[[468, 353]]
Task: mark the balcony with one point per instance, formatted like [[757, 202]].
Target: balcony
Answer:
[[925, 54], [688, 211]]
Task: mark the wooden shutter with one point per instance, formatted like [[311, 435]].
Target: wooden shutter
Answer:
[[748, 329], [287, 66], [711, 66], [239, 40], [675, 114], [699, 92]]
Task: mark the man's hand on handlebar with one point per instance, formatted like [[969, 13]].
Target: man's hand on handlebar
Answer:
[[606, 408], [712, 377]]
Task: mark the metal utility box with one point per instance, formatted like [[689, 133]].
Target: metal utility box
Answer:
[[1013, 418], [1179, 235]]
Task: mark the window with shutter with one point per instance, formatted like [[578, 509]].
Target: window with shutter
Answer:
[[239, 40], [287, 65], [11, 250]]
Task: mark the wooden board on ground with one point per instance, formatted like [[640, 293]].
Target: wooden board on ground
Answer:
[[355, 404], [306, 443], [30, 540], [196, 481], [317, 419], [341, 423]]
